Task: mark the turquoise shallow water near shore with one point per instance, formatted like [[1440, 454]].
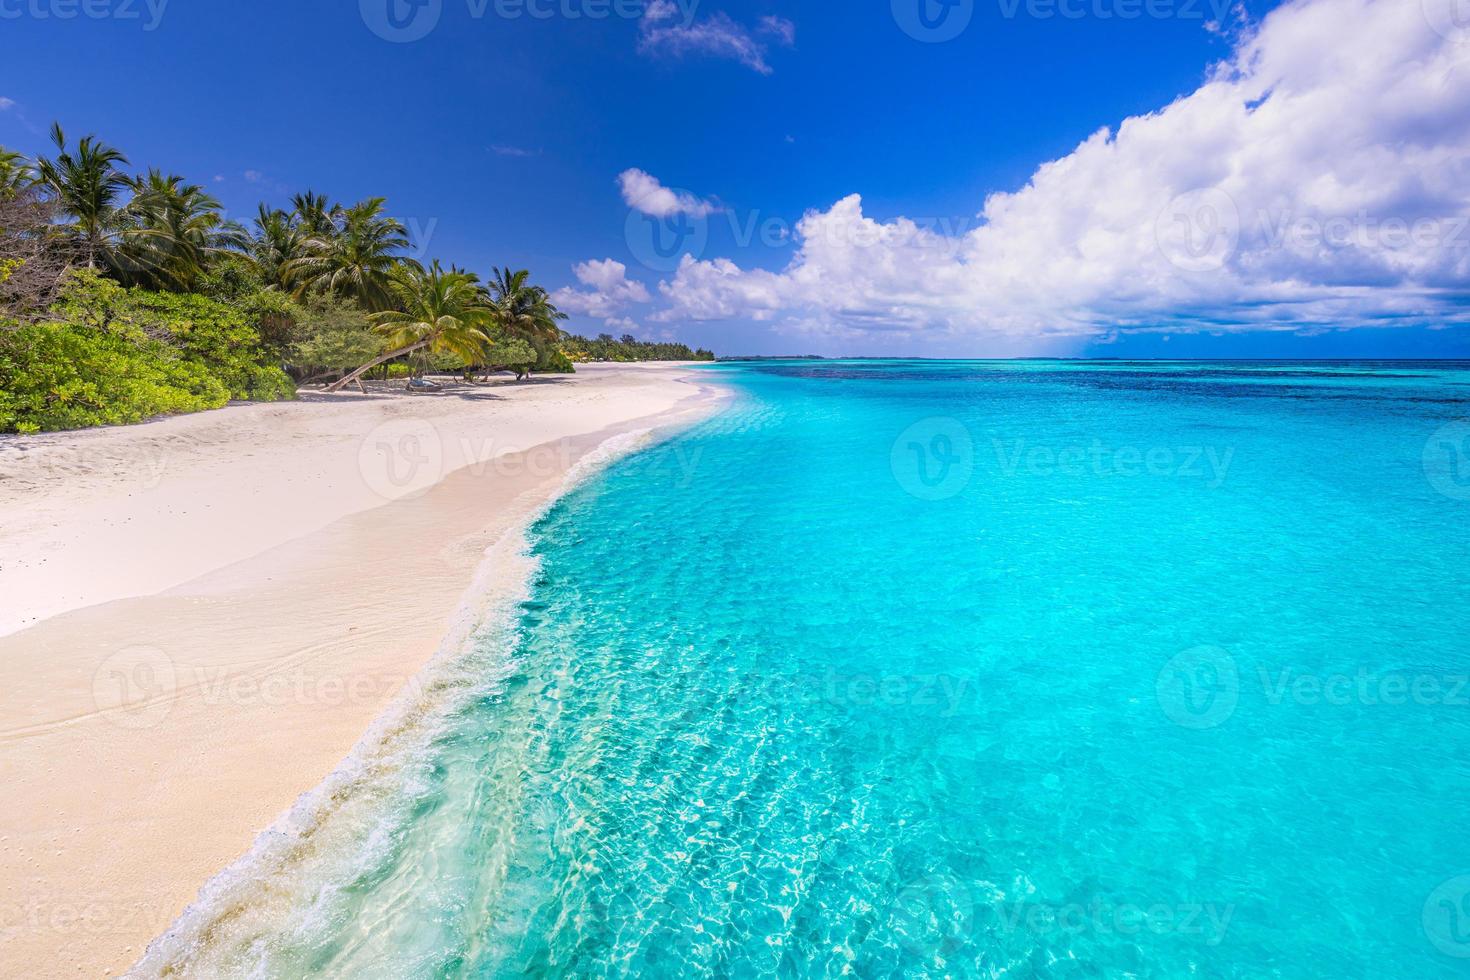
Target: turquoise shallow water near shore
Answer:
[[1027, 669]]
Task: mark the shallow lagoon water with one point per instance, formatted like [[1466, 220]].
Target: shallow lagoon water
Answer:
[[908, 668]]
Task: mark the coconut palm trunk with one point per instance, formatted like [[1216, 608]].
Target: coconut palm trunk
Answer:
[[339, 385]]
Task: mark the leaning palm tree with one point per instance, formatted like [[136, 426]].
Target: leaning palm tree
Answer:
[[177, 231], [356, 261], [88, 186], [15, 174], [440, 312]]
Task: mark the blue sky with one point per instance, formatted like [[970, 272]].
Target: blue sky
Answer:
[[500, 138]]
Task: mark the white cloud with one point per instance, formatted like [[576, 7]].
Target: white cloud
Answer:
[[6, 104], [611, 290], [1325, 174], [513, 151], [254, 176], [783, 30], [664, 28], [643, 192]]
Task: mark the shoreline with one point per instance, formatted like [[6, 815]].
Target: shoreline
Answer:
[[155, 739]]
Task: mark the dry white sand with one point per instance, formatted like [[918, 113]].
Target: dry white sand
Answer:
[[205, 613]]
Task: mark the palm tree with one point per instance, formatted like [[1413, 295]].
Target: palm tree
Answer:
[[314, 215], [15, 174], [440, 313], [356, 261], [524, 311], [176, 231], [87, 186], [276, 241]]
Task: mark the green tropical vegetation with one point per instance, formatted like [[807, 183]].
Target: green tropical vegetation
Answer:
[[127, 295], [628, 349]]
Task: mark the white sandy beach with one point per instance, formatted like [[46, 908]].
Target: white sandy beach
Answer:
[[202, 615]]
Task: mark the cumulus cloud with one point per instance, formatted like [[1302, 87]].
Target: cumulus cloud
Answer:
[[1318, 178], [643, 192], [610, 292], [664, 29]]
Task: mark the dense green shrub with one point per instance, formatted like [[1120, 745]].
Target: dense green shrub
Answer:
[[108, 354], [553, 360], [231, 279], [207, 331], [65, 376], [332, 336]]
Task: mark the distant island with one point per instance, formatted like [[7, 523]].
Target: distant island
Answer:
[[628, 348]]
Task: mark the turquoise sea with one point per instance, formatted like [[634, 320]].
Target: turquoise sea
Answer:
[[970, 669]]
